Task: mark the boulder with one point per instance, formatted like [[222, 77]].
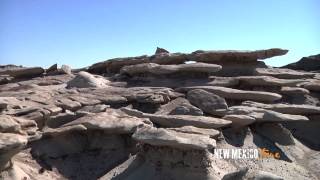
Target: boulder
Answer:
[[23, 72], [236, 94], [65, 69], [179, 106], [283, 73], [310, 63], [298, 109], [163, 137], [156, 69], [10, 144], [86, 80], [206, 101]]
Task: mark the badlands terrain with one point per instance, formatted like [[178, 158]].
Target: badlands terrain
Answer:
[[161, 117]]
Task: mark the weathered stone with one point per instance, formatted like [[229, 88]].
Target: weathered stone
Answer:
[[312, 86], [187, 120], [179, 106], [180, 120], [23, 72], [8, 124], [294, 91], [60, 119], [194, 130], [268, 81], [10, 144], [310, 63], [68, 104], [163, 137], [86, 80], [65, 69], [111, 122], [283, 73], [263, 115], [245, 56], [95, 108], [275, 132], [157, 69], [262, 175], [206, 101], [52, 69], [84, 101], [286, 108], [239, 120], [236, 94], [63, 130], [161, 50]]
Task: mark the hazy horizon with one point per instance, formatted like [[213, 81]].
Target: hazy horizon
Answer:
[[81, 33]]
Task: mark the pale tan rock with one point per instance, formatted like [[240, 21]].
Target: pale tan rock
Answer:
[[157, 69], [163, 137]]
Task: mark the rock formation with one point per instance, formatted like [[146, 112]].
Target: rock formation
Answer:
[[161, 117]]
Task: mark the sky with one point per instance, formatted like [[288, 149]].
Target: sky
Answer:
[[82, 32]]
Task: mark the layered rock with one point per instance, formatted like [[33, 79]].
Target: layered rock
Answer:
[[236, 94], [156, 69]]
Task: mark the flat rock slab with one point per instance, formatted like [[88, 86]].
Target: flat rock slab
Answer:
[[23, 72], [194, 130], [263, 115], [236, 94], [286, 108], [294, 91], [163, 137], [111, 122], [180, 120], [187, 120], [157, 69], [86, 80], [268, 81], [283, 73], [234, 56], [239, 120]]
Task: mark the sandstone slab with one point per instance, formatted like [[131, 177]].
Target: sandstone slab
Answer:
[[163, 137]]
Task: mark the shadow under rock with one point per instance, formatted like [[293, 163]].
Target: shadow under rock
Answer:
[[78, 156], [235, 137], [262, 142], [307, 132]]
